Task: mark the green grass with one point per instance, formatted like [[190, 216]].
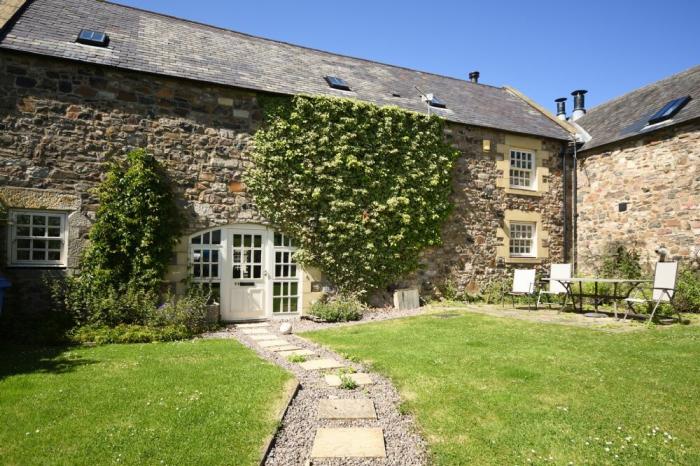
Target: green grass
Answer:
[[496, 391], [193, 402]]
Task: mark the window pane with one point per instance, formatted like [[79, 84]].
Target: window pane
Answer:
[[39, 244], [205, 255], [216, 237], [215, 270], [247, 240], [54, 244], [197, 239], [54, 255], [23, 255], [294, 287], [237, 240], [205, 270], [257, 257], [38, 220], [276, 305], [23, 231], [257, 271], [284, 305], [293, 271], [236, 271], [38, 231], [23, 219], [258, 241], [23, 243], [196, 270], [38, 255], [54, 232], [276, 289], [293, 305], [205, 238], [215, 256], [278, 239], [54, 221]]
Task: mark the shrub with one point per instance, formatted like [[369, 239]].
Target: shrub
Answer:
[[189, 311], [362, 188], [687, 296], [619, 261], [129, 333], [337, 309]]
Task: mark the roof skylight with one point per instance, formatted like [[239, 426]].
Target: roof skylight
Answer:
[[337, 83], [435, 101], [668, 110], [90, 37]]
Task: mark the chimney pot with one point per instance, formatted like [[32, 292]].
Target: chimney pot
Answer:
[[561, 108], [474, 77], [579, 104]]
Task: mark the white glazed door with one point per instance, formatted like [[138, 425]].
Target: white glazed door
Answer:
[[247, 274]]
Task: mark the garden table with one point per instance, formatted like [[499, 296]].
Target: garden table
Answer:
[[568, 283]]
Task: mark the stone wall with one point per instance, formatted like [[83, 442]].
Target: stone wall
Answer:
[[61, 122], [658, 176], [468, 259]]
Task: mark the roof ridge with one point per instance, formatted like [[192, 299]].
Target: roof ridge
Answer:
[[642, 88], [254, 36]]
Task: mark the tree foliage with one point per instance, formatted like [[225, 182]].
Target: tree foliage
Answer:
[[362, 188]]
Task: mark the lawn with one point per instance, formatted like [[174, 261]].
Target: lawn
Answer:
[[490, 390], [194, 402]]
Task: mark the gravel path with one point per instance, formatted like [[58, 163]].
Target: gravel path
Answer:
[[404, 446], [371, 315]]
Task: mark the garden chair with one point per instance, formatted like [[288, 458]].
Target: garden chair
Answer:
[[523, 285], [555, 287], [662, 290]]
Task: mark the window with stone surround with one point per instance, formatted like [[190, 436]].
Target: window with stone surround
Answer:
[[522, 240], [37, 239], [522, 169]]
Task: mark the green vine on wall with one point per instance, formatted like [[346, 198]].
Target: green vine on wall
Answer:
[[362, 188]]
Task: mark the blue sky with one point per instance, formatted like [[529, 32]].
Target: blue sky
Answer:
[[545, 49]]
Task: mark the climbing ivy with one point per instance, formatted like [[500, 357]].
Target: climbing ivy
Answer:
[[362, 188]]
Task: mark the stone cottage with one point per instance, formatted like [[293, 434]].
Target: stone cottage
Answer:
[[82, 81], [638, 177]]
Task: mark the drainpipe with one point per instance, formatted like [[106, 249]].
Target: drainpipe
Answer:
[[565, 189], [574, 208]]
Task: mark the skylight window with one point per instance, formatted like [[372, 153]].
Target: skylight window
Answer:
[[668, 110], [337, 83], [435, 101], [90, 37]]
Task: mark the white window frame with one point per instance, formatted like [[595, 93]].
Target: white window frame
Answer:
[[285, 246], [12, 239], [532, 180], [533, 239]]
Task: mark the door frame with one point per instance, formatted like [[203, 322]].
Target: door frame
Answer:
[[268, 273]]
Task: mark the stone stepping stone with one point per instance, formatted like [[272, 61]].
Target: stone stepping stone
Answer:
[[321, 364], [360, 379], [278, 349], [270, 343], [349, 408], [349, 442], [255, 325], [296, 352], [261, 337], [254, 331]]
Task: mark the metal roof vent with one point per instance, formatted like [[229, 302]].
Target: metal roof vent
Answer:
[[337, 83], [90, 37]]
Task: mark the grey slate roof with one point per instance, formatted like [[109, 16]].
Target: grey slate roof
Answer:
[[155, 43], [626, 116]]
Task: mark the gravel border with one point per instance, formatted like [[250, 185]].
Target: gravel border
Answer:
[[368, 316], [294, 439]]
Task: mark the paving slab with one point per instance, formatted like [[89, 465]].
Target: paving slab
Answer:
[[296, 352], [321, 364], [349, 408], [278, 349], [254, 325], [360, 379], [269, 343], [349, 442], [263, 336], [254, 331]]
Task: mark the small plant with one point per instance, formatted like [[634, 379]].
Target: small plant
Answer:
[[346, 370], [349, 357], [296, 358], [337, 309], [347, 383], [403, 408]]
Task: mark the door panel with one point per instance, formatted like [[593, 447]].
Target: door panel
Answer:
[[247, 291]]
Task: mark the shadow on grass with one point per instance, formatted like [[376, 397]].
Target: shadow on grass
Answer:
[[17, 360]]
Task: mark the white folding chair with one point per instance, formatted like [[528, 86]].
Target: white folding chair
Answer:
[[663, 289], [555, 287], [523, 285]]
